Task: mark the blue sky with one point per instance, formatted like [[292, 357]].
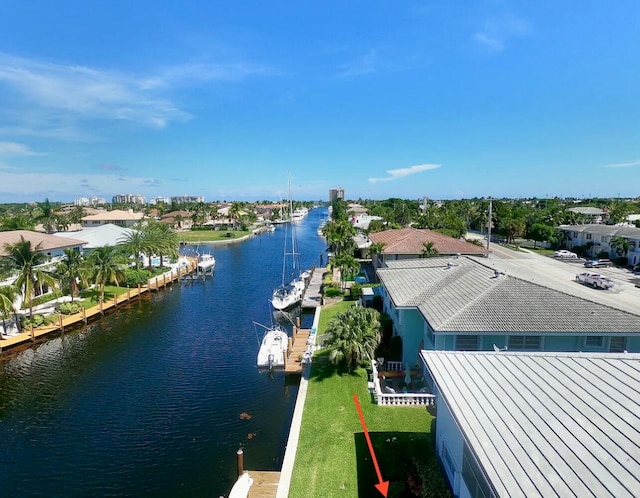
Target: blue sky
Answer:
[[386, 99]]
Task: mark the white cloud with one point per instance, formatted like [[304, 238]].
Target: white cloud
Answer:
[[366, 64], [17, 149], [623, 165], [394, 174], [42, 97], [65, 185], [497, 31]]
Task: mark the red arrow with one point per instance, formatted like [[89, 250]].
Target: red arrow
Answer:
[[382, 486]]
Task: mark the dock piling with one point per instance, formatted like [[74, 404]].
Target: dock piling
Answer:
[[240, 462]]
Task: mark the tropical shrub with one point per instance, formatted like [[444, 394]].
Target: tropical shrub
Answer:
[[70, 308], [133, 277], [604, 255], [37, 321], [621, 261], [332, 290], [355, 292], [353, 336]]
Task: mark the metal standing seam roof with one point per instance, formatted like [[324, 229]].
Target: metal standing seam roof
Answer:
[[103, 235], [469, 297], [547, 424], [606, 230]]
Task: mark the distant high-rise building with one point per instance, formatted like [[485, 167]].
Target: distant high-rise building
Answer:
[[336, 193], [159, 200], [89, 201], [128, 199], [185, 199]]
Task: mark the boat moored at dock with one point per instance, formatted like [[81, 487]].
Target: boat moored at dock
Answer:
[[273, 348]]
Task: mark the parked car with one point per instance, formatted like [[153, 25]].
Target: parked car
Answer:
[[595, 280], [563, 253], [599, 263]]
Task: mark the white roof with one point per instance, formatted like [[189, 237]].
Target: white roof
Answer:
[[100, 236], [547, 424]]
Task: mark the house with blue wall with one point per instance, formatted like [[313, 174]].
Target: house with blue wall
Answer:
[[468, 304], [537, 424]]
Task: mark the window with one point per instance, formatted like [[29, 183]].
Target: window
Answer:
[[589, 236], [466, 343], [447, 461], [605, 239], [473, 476], [618, 345], [524, 342], [593, 342]]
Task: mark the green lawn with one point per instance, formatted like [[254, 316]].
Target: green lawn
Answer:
[[92, 296], [211, 235], [333, 457]]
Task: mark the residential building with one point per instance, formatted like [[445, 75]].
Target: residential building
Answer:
[[180, 220], [466, 304], [598, 239], [100, 236], [89, 201], [187, 199], [129, 199], [589, 214], [336, 193], [409, 243], [537, 424], [116, 217], [159, 200]]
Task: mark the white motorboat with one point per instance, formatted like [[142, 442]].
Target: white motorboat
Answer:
[[273, 348], [206, 264]]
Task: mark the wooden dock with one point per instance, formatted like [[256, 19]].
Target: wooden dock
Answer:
[[297, 347], [265, 484], [312, 295], [64, 321]]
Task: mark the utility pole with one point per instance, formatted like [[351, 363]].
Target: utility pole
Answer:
[[489, 223]]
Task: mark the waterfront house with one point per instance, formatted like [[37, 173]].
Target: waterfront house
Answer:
[[598, 239], [179, 220], [537, 424], [473, 304], [53, 247], [409, 243], [100, 236], [117, 217]]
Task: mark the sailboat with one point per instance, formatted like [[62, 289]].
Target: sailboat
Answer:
[[290, 292]]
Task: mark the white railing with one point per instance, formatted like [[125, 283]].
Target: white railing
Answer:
[[397, 399], [408, 399], [394, 366]]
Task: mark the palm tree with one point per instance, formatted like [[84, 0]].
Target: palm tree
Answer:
[[234, 213], [72, 270], [108, 266], [339, 235], [620, 245], [375, 250], [167, 241], [133, 244], [429, 251], [27, 261], [7, 297], [347, 264], [47, 216], [353, 336]]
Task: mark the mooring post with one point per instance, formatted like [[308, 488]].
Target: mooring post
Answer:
[[240, 462]]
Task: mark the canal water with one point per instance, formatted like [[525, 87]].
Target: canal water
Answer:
[[147, 400]]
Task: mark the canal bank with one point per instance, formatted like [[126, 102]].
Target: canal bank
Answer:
[[147, 400]]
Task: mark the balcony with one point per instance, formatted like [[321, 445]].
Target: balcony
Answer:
[[394, 386]]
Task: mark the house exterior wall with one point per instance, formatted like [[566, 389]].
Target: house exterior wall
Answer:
[[449, 446], [412, 335]]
